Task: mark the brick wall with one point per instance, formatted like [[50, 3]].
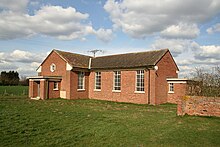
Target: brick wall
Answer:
[[51, 92], [166, 68], [77, 94], [60, 68], [127, 94], [179, 92], [43, 89], [197, 105]]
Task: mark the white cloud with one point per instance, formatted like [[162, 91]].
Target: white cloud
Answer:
[[202, 57], [24, 62], [35, 64], [34, 3], [213, 29], [185, 71], [14, 25], [210, 53], [184, 31], [25, 70], [104, 35], [141, 18], [14, 5], [184, 62], [18, 55], [54, 21], [5, 66], [24, 57], [2, 55], [176, 46]]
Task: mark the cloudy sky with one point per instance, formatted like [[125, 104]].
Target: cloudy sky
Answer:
[[30, 29]]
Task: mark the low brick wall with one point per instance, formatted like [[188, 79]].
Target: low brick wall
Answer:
[[197, 105]]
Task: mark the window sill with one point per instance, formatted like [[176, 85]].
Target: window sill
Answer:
[[139, 92], [55, 89], [116, 90], [170, 91], [97, 89], [80, 89]]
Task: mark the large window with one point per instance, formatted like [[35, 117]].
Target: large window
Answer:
[[171, 88], [98, 80], [140, 80], [81, 80], [117, 80]]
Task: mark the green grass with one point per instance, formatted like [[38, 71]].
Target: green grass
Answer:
[[58, 122], [13, 90]]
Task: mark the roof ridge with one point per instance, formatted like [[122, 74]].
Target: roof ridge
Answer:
[[56, 50], [133, 53]]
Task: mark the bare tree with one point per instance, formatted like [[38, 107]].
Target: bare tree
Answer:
[[207, 81]]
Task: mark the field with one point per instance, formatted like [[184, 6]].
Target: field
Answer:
[[13, 90], [59, 122]]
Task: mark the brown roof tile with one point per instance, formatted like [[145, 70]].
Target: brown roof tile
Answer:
[[76, 60], [130, 60]]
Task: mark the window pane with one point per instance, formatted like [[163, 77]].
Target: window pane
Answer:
[[81, 78], [98, 80], [171, 87], [140, 80], [117, 80]]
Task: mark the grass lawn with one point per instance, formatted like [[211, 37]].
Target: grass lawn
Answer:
[[13, 90], [59, 122]]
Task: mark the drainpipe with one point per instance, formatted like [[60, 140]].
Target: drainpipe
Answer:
[[90, 62], [149, 86], [153, 68]]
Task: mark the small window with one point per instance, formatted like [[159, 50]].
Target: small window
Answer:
[[171, 88], [52, 67], [140, 80], [117, 80], [55, 86], [81, 81], [98, 80]]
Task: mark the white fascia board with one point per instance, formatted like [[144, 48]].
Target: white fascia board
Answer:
[[68, 66], [176, 82], [39, 69]]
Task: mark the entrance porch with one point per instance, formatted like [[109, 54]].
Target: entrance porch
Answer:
[[44, 87]]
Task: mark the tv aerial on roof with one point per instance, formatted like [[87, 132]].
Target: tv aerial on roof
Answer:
[[94, 51]]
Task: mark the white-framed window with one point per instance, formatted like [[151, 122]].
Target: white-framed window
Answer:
[[98, 80], [140, 80], [55, 86], [52, 67], [171, 88], [117, 80], [81, 81]]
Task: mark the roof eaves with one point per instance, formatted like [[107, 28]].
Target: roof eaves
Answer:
[[122, 68]]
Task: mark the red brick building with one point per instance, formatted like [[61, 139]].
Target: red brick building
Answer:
[[142, 77]]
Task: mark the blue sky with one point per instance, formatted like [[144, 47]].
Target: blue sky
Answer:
[[30, 29]]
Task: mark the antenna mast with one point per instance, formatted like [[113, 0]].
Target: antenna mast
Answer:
[[95, 51]]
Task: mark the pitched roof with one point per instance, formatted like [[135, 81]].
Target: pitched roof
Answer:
[[76, 60], [129, 60]]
